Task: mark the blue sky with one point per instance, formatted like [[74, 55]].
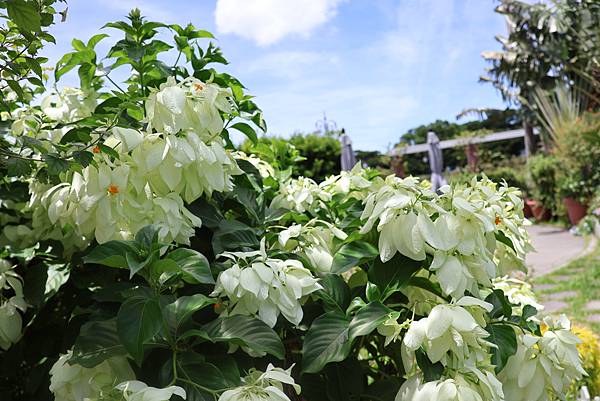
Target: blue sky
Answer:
[[376, 67]]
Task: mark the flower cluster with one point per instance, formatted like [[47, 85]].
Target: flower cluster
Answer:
[[10, 319], [68, 105], [450, 328], [518, 292], [264, 169], [258, 285], [540, 363], [73, 382], [267, 386], [178, 159], [315, 240], [481, 387], [135, 390], [355, 182], [301, 195], [458, 228]]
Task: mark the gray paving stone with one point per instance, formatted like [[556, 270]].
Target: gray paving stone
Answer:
[[554, 306], [562, 278], [593, 318], [543, 287], [555, 247], [593, 305], [557, 296]]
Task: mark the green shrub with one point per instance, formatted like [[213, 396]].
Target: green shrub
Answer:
[[543, 175]]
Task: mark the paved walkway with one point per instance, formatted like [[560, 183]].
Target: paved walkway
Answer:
[[554, 247]]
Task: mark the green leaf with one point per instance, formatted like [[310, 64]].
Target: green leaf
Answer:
[[94, 40], [426, 284], [112, 253], [135, 264], [179, 312], [246, 130], [234, 235], [243, 331], [393, 275], [25, 14], [503, 335], [335, 293], [139, 319], [528, 311], [135, 112], [213, 374], [326, 341], [500, 236], [78, 45], [83, 157], [193, 264], [501, 304], [56, 165], [353, 254], [367, 319], [86, 73], [18, 167], [147, 237], [97, 341], [79, 134], [108, 150]]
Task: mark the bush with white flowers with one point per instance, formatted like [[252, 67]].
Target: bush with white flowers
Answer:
[[145, 258]]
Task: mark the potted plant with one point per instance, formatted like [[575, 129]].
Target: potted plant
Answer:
[[542, 173], [573, 191]]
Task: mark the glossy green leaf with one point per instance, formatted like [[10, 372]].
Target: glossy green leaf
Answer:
[[25, 14], [503, 335], [246, 130], [326, 341], [139, 319], [179, 312], [97, 341], [353, 254], [367, 319], [393, 275], [335, 293], [243, 331], [501, 304], [193, 264], [112, 253]]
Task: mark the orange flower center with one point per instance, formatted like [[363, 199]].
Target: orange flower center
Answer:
[[113, 189], [96, 149], [498, 220], [198, 87]]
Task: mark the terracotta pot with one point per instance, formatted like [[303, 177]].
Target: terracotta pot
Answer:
[[527, 210], [540, 213], [575, 209]]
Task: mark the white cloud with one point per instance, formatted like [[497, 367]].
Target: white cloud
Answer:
[[291, 64], [269, 21]]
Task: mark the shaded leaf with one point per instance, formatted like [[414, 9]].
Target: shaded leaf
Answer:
[[326, 341]]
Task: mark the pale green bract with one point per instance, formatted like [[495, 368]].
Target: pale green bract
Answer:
[[135, 390], [540, 363], [72, 382], [263, 386], [518, 292], [457, 228], [10, 317], [301, 195], [149, 182], [316, 240], [257, 285]]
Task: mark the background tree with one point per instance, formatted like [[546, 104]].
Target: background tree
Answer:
[[546, 44]]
